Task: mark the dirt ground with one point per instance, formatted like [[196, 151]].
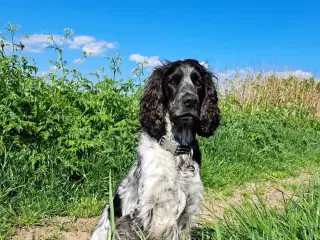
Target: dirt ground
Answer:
[[58, 228], [214, 204]]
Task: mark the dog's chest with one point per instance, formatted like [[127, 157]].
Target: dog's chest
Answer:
[[185, 168], [188, 178]]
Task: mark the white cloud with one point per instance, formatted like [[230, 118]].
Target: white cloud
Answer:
[[298, 73], [34, 50], [78, 60], [35, 39], [97, 48], [111, 45], [90, 45], [151, 61], [205, 64], [53, 68], [37, 43], [225, 75], [244, 72], [79, 41]]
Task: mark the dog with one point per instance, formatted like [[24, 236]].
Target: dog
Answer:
[[162, 192]]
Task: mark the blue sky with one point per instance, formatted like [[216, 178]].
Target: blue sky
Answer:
[[260, 35]]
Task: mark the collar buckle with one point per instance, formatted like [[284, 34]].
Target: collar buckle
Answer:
[[169, 144]]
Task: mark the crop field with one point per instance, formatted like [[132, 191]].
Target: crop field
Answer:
[[63, 132]]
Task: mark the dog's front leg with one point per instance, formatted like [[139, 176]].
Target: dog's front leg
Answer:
[[160, 207], [102, 230]]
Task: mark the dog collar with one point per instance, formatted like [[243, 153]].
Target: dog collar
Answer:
[[169, 144]]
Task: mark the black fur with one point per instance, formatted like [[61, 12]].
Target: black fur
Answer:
[[210, 112], [153, 105], [117, 206]]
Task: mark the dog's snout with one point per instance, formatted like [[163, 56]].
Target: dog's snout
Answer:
[[190, 100]]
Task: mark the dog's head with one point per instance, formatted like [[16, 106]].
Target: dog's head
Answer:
[[185, 91]]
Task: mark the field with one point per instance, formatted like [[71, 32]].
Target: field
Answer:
[[61, 133]]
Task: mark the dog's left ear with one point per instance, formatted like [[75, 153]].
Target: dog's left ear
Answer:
[[210, 112]]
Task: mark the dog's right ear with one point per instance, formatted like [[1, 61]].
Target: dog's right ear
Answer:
[[152, 114], [210, 112]]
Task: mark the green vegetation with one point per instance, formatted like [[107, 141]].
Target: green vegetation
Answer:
[[60, 136], [298, 219], [259, 145], [63, 132]]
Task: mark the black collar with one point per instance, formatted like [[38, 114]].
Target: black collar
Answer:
[[169, 144]]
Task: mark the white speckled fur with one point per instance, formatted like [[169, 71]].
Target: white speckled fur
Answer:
[[162, 187]]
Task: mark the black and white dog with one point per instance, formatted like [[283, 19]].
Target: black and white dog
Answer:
[[163, 189]]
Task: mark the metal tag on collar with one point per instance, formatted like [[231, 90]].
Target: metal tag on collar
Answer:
[[169, 144]]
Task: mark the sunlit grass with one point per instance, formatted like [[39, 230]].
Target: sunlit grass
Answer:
[[296, 219]]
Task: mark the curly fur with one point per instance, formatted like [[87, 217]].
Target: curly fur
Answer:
[[162, 191], [210, 113], [152, 111]]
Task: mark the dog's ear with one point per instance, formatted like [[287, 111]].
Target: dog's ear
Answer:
[[210, 112], [152, 114]]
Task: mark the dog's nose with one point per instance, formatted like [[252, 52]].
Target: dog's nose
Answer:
[[190, 101]]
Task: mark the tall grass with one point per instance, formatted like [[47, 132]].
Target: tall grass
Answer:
[[297, 96], [298, 219], [61, 133]]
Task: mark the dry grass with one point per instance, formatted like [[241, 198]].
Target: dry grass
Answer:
[[296, 95]]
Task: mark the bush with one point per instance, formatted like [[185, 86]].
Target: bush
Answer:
[[61, 134]]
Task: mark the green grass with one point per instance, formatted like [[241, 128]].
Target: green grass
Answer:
[[61, 134], [259, 145], [298, 219]]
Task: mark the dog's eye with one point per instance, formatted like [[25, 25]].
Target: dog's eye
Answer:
[[196, 80], [174, 80], [198, 83]]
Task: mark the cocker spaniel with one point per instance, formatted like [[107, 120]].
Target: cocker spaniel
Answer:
[[163, 189]]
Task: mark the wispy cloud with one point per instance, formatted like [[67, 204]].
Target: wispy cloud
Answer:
[[37, 43], [78, 60], [53, 68], [205, 64], [98, 48], [244, 72], [79, 41], [151, 61], [298, 73]]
